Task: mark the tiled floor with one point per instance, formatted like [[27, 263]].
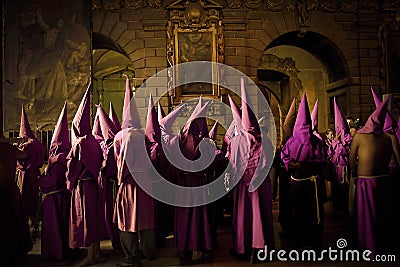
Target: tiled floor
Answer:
[[336, 226]]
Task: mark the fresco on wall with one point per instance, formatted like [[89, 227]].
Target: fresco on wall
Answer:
[[48, 59]]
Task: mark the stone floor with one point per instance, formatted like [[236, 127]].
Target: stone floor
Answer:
[[337, 226]]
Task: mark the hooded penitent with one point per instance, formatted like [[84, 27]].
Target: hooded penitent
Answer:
[[114, 118], [29, 167], [252, 211], [339, 153], [60, 144], [130, 114], [302, 125], [390, 125], [84, 162], [55, 206], [289, 122], [376, 120]]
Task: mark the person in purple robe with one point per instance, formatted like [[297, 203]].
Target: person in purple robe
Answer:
[[192, 227], [370, 154], [338, 153], [390, 128], [285, 214], [28, 169], [252, 207], [14, 229], [56, 199], [305, 158], [114, 118], [86, 226], [134, 208], [108, 175]]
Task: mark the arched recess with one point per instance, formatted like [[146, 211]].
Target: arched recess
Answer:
[[110, 61], [291, 65]]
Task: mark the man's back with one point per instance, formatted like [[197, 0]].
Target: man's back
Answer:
[[374, 153]]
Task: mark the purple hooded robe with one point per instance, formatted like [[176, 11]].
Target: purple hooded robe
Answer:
[[192, 229], [83, 163], [56, 198], [339, 152], [114, 118], [108, 174], [252, 211], [372, 197], [307, 151], [28, 170], [134, 208]]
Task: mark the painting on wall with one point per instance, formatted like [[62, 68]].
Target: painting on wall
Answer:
[[48, 59]]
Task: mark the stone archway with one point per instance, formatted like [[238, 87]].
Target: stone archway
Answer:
[[292, 65]]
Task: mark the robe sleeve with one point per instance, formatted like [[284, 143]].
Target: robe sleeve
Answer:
[[54, 178]]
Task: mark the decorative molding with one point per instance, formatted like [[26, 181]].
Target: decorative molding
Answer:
[[154, 27], [235, 26]]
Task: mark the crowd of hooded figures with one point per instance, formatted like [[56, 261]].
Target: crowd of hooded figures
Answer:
[[89, 194]]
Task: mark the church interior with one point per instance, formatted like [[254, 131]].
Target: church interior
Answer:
[[333, 51]]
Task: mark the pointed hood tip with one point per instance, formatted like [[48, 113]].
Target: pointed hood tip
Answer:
[[152, 130], [114, 118], [25, 128], [81, 121], [290, 119], [107, 127], [302, 124], [314, 116], [167, 122], [212, 134], [249, 120], [130, 114], [376, 120], [60, 139], [341, 125]]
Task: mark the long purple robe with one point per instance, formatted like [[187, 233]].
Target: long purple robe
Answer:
[[28, 170], [55, 208], [307, 193], [134, 208], [86, 216], [252, 211]]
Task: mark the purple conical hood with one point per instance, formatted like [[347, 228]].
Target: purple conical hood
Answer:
[[167, 122], [212, 134], [376, 120], [341, 125], [96, 129], [130, 114], [289, 122], [160, 113], [314, 116], [249, 120], [114, 118], [108, 129], [60, 140], [153, 130], [25, 128], [197, 123], [81, 121], [390, 125], [302, 125]]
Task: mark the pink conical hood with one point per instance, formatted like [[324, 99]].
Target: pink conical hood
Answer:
[[25, 128], [212, 134], [107, 127], [390, 125], [314, 116], [160, 113], [81, 121], [230, 132], [290, 119], [302, 125], [341, 125], [152, 131], [114, 118], [96, 129], [249, 120], [130, 114], [197, 123], [167, 122], [376, 120], [60, 140]]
